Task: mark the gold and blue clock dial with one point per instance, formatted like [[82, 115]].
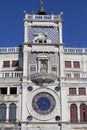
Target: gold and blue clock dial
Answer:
[[43, 103]]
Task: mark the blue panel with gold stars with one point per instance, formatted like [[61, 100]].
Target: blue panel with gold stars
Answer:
[[51, 32]]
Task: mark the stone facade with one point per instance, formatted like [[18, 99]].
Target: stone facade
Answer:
[[43, 85]]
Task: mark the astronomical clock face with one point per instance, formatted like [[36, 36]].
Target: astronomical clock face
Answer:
[[43, 103]]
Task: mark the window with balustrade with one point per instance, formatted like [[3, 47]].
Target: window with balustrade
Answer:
[[68, 75], [6, 75], [77, 75]]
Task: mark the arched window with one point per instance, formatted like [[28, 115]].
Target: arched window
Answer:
[[2, 112], [12, 112], [73, 113], [83, 113]]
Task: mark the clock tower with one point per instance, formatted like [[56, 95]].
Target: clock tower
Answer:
[[42, 71]]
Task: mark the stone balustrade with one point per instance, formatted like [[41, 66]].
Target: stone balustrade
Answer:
[[11, 74], [9, 49], [75, 50]]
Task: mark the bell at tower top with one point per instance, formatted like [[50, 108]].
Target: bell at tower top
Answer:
[[41, 10]]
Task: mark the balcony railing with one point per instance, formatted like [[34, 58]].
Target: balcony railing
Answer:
[[50, 17], [9, 49], [66, 50], [75, 50], [11, 74], [76, 75]]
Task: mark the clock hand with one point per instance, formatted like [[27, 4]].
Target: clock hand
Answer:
[[36, 106]]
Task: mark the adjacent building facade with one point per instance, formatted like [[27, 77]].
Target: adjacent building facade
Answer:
[[43, 85]]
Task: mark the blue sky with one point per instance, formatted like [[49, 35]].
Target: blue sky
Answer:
[[74, 25]]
